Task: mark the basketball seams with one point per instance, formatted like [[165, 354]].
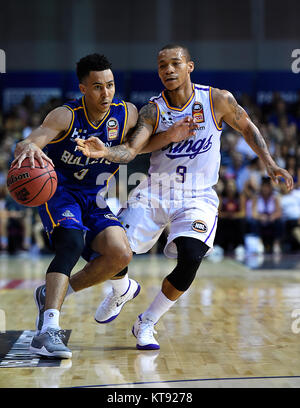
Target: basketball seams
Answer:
[[31, 184], [42, 188], [32, 179]]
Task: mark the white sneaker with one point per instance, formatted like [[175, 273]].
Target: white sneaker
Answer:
[[112, 305], [143, 330]]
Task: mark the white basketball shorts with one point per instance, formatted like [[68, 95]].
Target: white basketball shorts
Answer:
[[149, 211]]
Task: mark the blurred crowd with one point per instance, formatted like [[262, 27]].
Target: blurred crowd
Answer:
[[255, 215]]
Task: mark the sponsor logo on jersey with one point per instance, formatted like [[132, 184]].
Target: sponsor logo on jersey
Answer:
[[68, 216], [199, 226], [78, 134], [189, 148], [198, 112], [111, 217], [112, 127], [68, 213]]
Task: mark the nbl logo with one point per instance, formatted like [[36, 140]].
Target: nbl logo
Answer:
[[198, 112]]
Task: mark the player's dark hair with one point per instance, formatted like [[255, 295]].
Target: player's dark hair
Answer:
[[174, 46], [92, 62]]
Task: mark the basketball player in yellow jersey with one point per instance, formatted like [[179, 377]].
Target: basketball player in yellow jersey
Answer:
[[193, 222]]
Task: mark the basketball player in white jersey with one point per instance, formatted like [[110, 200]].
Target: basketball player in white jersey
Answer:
[[179, 190]]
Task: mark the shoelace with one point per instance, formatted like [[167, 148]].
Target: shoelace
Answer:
[[56, 335], [148, 328]]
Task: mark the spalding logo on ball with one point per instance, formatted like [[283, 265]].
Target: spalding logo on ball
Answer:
[[32, 187]]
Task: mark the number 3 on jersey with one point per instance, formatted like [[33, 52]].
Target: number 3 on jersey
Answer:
[[181, 172], [81, 174]]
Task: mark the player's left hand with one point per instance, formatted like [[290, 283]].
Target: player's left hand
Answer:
[[275, 172], [182, 129], [91, 147]]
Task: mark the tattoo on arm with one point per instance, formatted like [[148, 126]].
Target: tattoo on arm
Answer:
[[255, 138], [238, 111], [122, 153], [119, 154]]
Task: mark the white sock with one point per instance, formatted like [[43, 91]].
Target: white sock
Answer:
[[160, 305], [51, 319], [120, 285], [70, 290]]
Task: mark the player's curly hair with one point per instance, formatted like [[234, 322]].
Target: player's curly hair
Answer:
[[92, 62]]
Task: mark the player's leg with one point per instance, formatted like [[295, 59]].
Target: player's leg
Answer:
[[62, 220], [112, 254], [192, 232], [68, 244], [108, 252], [190, 254], [142, 231]]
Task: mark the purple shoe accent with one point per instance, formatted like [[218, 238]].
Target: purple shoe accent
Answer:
[[148, 347], [127, 288], [137, 291], [108, 320]]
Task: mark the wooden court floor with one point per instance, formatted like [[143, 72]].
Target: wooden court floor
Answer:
[[235, 327]]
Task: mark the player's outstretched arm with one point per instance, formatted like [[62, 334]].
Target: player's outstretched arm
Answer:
[[139, 138], [56, 122], [234, 115], [179, 131], [136, 138]]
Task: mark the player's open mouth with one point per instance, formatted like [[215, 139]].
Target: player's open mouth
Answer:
[[170, 79]]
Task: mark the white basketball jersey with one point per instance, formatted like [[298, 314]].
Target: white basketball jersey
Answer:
[[194, 163]]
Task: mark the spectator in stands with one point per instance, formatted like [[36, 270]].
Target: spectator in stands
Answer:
[[236, 165], [18, 225], [3, 219], [267, 213], [292, 167], [280, 116], [290, 205], [254, 169], [231, 224], [250, 190]]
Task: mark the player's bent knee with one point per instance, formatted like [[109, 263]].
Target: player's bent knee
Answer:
[[68, 246], [190, 254], [123, 257], [183, 275]]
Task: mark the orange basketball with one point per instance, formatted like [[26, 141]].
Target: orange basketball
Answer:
[[32, 187]]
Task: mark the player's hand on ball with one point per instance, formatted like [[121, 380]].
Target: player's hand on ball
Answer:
[[182, 129], [32, 151], [91, 147]]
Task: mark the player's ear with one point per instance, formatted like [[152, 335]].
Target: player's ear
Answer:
[[82, 88], [191, 66]]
